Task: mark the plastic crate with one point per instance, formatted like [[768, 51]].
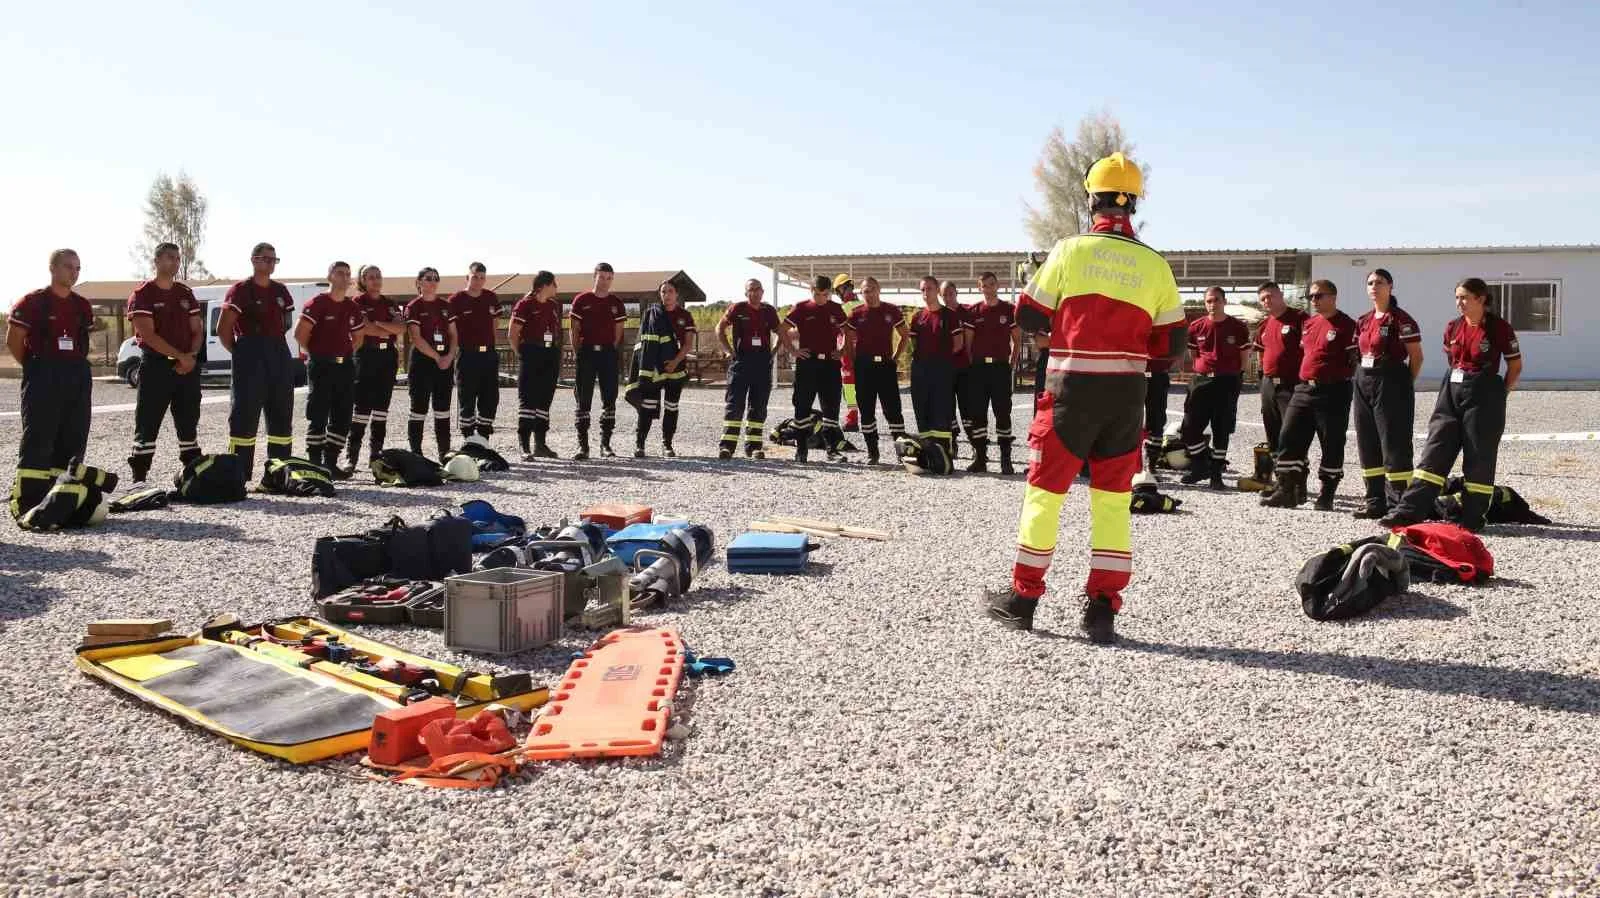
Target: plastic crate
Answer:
[[502, 610]]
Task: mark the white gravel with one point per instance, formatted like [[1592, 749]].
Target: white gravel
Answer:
[[879, 737]]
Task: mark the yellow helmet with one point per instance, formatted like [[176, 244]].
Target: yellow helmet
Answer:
[[1114, 174], [841, 280]]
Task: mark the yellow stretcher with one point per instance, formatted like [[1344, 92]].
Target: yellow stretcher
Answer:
[[251, 686]]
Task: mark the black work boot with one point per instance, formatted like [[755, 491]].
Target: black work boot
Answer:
[[1099, 621], [1152, 457], [583, 446], [541, 449], [1005, 460], [605, 446], [139, 467], [1217, 464], [1012, 611], [980, 457], [1330, 485], [1199, 469], [802, 448], [1288, 493], [872, 450]]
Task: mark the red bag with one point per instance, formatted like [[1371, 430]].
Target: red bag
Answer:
[[1453, 547], [485, 734]]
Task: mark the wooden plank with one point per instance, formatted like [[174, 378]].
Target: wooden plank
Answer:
[[135, 627]]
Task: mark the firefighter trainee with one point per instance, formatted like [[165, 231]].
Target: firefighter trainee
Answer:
[[1469, 415], [535, 335], [473, 312], [169, 329], [429, 370], [48, 335], [754, 326], [1112, 303], [255, 320], [1320, 406], [328, 328], [597, 319], [813, 332], [1278, 342], [995, 343], [875, 324], [666, 333], [377, 364], [1216, 344], [937, 338], [1385, 395]]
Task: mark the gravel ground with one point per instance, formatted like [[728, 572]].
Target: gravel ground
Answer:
[[879, 737]]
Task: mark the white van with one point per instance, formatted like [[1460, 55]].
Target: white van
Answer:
[[216, 360]]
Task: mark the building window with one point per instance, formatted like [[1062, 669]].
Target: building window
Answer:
[[1532, 307]]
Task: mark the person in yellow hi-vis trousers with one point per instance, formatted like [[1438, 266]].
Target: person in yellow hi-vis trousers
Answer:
[[1110, 304]]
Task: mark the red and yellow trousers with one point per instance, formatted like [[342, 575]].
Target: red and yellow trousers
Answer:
[[1089, 421]]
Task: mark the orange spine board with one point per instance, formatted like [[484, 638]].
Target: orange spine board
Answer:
[[614, 701]]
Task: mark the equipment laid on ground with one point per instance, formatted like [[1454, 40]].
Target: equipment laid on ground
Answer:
[[630, 539], [617, 515], [923, 456], [380, 600], [614, 701], [1350, 580], [148, 498], [486, 460], [298, 689], [211, 480], [111, 632], [490, 528], [1446, 553], [431, 551], [77, 498], [402, 467], [395, 732], [769, 553], [297, 477], [1148, 499], [778, 523], [503, 610], [1506, 505], [666, 572]]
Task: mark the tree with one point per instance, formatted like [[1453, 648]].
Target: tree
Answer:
[[1059, 174], [174, 212]]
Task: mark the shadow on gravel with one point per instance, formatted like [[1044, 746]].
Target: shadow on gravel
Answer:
[[394, 496], [1417, 606], [20, 570], [1530, 688], [170, 528], [290, 507], [1581, 534]]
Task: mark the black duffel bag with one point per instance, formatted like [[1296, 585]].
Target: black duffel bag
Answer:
[[339, 562]]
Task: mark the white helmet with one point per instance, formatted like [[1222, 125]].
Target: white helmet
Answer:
[[461, 468]]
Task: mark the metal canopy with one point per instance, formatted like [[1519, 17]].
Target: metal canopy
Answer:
[[1233, 270]]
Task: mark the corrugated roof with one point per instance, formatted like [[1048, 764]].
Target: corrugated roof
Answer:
[[630, 285]]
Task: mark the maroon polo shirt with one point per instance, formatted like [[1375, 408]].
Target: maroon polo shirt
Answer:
[[818, 325], [474, 318], [172, 311], [597, 318], [263, 311], [875, 328], [1327, 343], [541, 322], [332, 324], [989, 330]]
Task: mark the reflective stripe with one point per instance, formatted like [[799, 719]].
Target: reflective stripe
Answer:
[[1373, 472], [1028, 558], [1481, 489], [1080, 365], [1428, 477], [237, 442], [1400, 476], [280, 441], [1104, 562]]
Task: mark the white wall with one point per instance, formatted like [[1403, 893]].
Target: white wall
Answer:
[[1425, 283]]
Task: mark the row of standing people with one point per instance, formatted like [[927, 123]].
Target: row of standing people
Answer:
[[1319, 367]]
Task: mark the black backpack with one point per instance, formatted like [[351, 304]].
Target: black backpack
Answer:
[[402, 467], [431, 551], [72, 500], [296, 477], [210, 479]]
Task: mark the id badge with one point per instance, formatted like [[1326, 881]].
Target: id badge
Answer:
[[65, 343], [1457, 376], [1368, 361], [755, 341], [438, 337], [549, 339]]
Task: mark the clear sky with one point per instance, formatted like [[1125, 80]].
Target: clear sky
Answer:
[[536, 135]]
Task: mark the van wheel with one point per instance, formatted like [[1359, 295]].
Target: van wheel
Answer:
[[132, 376]]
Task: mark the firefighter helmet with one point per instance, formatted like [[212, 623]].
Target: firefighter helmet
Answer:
[[1115, 174], [839, 280]]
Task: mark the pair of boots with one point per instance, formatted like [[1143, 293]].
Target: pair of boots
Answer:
[[328, 457], [441, 434], [1016, 613], [605, 444], [980, 458], [1261, 480], [1206, 467], [1290, 492], [540, 448]]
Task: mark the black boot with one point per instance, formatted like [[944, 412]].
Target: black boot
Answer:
[[802, 447], [872, 450], [1289, 492], [1330, 485], [1217, 464], [139, 467], [441, 433], [379, 430], [605, 442], [524, 434], [583, 445], [1474, 510], [1152, 457], [352, 449], [1376, 504], [980, 457], [1006, 467], [1012, 611], [414, 436], [1199, 469], [1099, 621]]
